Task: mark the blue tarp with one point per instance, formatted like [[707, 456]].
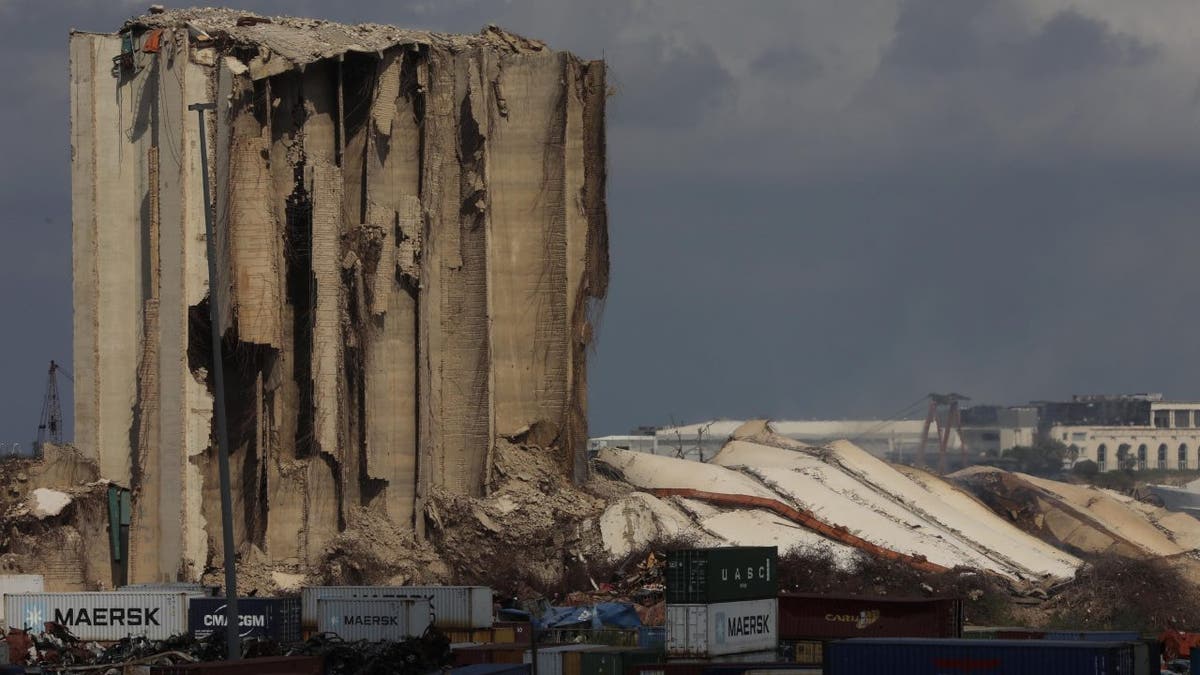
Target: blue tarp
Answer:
[[602, 615]]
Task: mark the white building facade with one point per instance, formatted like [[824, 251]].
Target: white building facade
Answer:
[[1168, 439]]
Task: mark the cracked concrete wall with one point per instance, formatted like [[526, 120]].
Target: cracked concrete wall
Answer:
[[411, 244]]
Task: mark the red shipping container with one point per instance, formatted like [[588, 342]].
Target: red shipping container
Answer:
[[825, 617]]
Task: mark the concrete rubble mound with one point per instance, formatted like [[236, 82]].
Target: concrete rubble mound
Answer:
[[765, 489], [411, 244], [1080, 518]]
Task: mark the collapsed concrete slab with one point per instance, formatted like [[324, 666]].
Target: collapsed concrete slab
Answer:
[[838, 496], [411, 234]]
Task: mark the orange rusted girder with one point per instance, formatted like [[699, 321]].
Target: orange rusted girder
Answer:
[[835, 532]]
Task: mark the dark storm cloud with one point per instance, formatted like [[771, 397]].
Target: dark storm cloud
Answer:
[[1071, 42], [788, 63], [662, 85], [981, 35]]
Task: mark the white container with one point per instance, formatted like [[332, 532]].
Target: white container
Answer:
[[454, 607], [373, 619], [103, 617], [701, 631], [19, 583], [553, 660]]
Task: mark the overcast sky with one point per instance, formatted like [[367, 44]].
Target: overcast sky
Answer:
[[821, 208]]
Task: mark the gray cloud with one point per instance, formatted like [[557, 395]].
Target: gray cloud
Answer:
[[659, 84], [788, 64]]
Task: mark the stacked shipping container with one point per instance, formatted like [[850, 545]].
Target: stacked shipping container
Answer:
[[722, 601]]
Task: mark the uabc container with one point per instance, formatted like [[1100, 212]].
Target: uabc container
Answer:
[[374, 619], [708, 575], [806, 617], [454, 607], [274, 618], [19, 583], [103, 617], [701, 631], [914, 656]]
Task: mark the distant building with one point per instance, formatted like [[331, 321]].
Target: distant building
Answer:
[[990, 430], [1142, 429]]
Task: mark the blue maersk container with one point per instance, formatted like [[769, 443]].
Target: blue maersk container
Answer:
[[916, 656]]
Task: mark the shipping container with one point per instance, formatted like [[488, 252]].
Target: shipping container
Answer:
[[614, 660], [269, 665], [806, 652], [702, 631], [750, 662], [1095, 635], [560, 660], [454, 607], [492, 669], [709, 575], [374, 619], [274, 618], [520, 631], [1020, 633], [760, 669], [824, 617], [103, 617], [916, 656], [466, 655], [18, 583], [652, 637]]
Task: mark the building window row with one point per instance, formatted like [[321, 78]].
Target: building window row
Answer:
[[1140, 460]]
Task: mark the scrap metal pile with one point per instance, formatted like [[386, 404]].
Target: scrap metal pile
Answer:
[[57, 650]]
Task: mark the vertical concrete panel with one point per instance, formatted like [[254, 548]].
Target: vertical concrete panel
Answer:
[[528, 245], [197, 399], [84, 50], [393, 204], [439, 198], [285, 475], [324, 498], [117, 203], [465, 411], [172, 309], [574, 439]]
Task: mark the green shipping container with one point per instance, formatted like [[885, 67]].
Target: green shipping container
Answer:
[[707, 575], [615, 661]]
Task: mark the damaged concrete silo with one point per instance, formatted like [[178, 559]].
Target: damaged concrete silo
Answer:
[[411, 230]]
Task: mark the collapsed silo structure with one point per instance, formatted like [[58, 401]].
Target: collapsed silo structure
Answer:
[[411, 232]]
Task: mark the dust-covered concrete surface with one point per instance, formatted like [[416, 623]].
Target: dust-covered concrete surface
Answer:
[[411, 235]]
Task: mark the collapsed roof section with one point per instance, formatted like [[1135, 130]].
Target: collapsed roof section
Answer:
[[765, 489], [411, 233]]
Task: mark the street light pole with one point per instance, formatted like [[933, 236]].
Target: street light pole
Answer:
[[232, 638]]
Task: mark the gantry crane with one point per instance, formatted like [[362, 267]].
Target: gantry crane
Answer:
[[953, 422], [50, 426]]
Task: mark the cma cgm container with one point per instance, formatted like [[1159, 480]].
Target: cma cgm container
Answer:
[[274, 618], [703, 576], [454, 607], [19, 583], [915, 656], [103, 617], [822, 617], [701, 631], [373, 619]]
